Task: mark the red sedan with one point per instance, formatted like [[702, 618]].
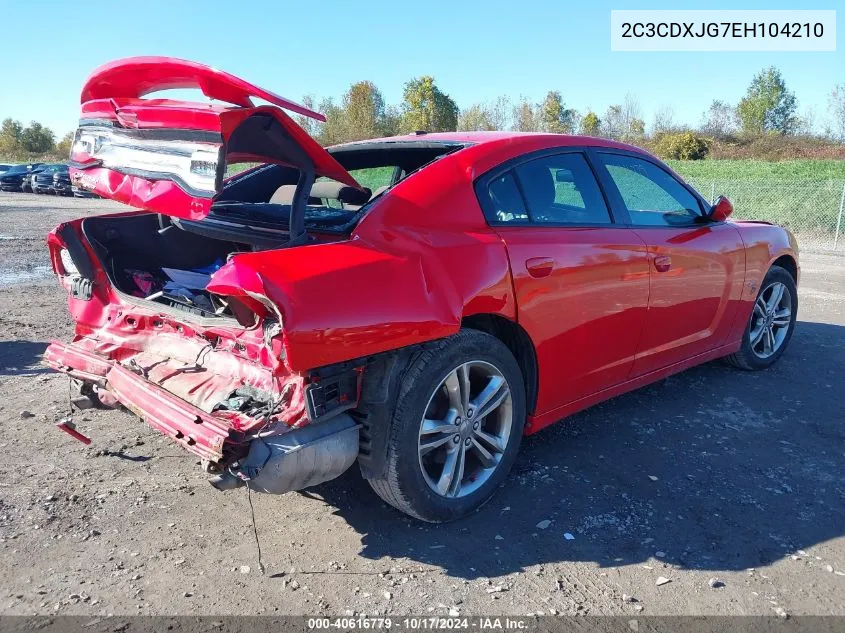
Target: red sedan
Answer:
[[288, 321]]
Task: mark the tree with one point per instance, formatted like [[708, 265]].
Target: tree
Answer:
[[333, 131], [37, 139], [10, 136], [767, 106], [63, 146], [835, 105], [611, 125], [631, 119], [720, 120], [526, 117], [486, 116], [501, 113], [365, 111], [475, 118], [664, 120], [591, 124], [624, 121], [426, 107], [636, 130], [554, 116], [310, 125]]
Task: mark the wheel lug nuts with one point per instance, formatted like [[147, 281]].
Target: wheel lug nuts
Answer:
[[457, 440], [467, 442], [457, 421], [475, 426], [469, 413]]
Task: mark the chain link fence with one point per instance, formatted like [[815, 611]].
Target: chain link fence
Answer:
[[812, 209]]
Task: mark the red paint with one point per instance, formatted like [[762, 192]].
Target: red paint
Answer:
[[607, 309], [68, 428], [722, 210], [135, 77]]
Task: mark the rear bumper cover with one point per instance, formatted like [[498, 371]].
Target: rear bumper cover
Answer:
[[192, 428]]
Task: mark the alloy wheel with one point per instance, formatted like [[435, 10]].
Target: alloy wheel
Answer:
[[770, 320], [465, 429]]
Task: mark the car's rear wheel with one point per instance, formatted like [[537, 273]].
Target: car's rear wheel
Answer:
[[771, 323], [456, 428]]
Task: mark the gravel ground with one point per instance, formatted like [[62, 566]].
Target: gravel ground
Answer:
[[729, 485]]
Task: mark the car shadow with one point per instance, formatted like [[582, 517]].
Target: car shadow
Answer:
[[713, 468], [22, 358]]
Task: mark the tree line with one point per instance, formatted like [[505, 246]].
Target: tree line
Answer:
[[768, 108]]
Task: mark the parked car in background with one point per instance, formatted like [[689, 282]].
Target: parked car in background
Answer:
[[284, 323], [26, 181], [4, 168], [42, 180], [61, 181], [13, 178]]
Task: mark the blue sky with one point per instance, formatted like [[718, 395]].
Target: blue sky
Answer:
[[475, 50]]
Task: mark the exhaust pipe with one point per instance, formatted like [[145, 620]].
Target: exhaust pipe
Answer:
[[298, 459]]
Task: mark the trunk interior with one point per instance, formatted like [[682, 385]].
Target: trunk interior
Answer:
[[166, 265]]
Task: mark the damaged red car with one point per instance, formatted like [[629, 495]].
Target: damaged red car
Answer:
[[414, 304]]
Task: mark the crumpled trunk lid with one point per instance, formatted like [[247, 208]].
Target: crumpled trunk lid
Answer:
[[169, 156]]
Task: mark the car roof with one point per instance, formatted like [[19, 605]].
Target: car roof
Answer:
[[479, 138]]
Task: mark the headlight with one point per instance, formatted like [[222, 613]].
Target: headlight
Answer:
[[194, 165], [67, 263]]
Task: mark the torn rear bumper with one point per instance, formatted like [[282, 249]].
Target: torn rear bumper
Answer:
[[192, 428]]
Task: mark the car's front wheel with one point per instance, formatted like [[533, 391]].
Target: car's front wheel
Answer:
[[456, 428], [771, 322]]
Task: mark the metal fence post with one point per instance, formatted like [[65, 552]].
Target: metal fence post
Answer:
[[712, 192], [839, 218]]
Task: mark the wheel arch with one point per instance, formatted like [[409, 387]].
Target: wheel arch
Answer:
[[384, 374], [517, 340], [788, 263]]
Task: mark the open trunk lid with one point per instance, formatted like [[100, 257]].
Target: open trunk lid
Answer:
[[169, 156]]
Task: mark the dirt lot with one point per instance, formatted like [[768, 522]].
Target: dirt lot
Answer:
[[712, 474]]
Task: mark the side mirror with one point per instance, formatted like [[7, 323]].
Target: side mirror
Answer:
[[721, 210]]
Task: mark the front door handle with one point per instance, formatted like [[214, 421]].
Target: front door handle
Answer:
[[662, 263], [539, 267]]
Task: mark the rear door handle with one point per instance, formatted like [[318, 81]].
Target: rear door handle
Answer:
[[539, 267], [662, 263]]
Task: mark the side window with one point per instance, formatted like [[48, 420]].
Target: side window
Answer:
[[506, 200], [561, 189], [652, 196]]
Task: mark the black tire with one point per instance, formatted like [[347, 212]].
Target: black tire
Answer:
[[746, 358], [403, 484]]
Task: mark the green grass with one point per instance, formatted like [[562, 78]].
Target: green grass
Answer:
[[760, 170], [803, 195]]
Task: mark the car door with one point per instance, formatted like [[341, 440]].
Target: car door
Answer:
[[580, 279], [696, 268]]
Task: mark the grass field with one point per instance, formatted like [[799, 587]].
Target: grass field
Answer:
[[804, 195], [760, 170]]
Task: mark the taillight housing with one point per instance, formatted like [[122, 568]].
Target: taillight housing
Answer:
[[196, 166]]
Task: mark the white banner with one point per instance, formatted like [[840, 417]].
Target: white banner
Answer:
[[722, 30]]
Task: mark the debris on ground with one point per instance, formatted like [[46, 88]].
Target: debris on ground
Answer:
[[542, 525], [715, 583], [662, 580]]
